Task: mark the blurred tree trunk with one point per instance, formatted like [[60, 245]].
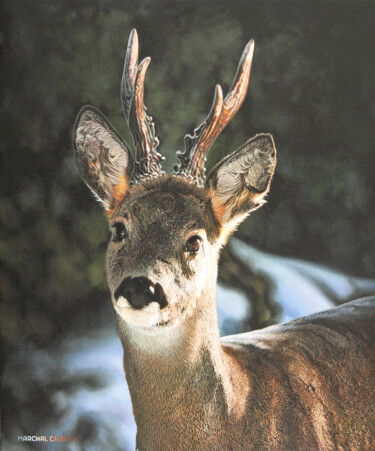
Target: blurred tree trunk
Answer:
[[234, 274]]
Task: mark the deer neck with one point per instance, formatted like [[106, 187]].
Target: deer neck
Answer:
[[184, 375]]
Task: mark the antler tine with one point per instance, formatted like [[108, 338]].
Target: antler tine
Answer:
[[141, 126], [197, 146], [129, 73]]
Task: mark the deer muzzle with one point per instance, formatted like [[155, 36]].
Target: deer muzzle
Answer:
[[140, 292]]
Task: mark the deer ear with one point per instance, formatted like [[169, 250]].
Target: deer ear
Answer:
[[104, 161], [239, 182]]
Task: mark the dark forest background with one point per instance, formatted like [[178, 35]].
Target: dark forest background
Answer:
[[312, 86]]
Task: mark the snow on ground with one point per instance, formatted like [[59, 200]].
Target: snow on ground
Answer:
[[301, 287]]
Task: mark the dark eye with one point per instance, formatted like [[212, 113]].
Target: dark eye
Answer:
[[193, 244], [118, 232]]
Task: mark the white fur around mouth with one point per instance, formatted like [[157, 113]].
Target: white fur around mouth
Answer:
[[123, 302], [148, 316]]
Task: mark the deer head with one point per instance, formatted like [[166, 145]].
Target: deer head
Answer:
[[167, 229]]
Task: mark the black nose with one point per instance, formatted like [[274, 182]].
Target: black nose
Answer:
[[141, 291]]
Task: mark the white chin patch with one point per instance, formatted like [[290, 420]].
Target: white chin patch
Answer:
[[123, 302], [148, 316]]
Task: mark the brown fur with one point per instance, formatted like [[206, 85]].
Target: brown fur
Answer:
[[304, 385]]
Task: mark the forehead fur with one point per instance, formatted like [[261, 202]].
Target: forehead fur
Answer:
[[169, 183], [180, 189]]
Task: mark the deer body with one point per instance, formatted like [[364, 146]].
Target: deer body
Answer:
[[308, 384], [303, 385]]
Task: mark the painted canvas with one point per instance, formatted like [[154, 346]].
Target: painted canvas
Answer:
[[310, 247]]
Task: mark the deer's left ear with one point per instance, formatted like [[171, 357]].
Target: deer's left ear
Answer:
[[239, 182]]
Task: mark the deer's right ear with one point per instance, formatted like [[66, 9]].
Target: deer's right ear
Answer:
[[104, 161], [240, 182]]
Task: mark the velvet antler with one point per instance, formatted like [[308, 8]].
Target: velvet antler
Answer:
[[222, 111], [147, 160]]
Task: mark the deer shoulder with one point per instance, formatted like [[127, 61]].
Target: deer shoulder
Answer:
[[316, 377]]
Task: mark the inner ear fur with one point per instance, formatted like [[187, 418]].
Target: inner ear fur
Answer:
[[240, 182], [103, 159]]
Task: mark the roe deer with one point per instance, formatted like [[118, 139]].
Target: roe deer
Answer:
[[308, 384]]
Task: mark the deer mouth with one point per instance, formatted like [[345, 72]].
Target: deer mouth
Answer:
[[140, 293], [142, 304]]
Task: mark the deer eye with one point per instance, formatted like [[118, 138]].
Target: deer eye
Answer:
[[193, 244], [118, 232]]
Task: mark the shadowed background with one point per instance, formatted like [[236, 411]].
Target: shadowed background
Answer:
[[312, 86]]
